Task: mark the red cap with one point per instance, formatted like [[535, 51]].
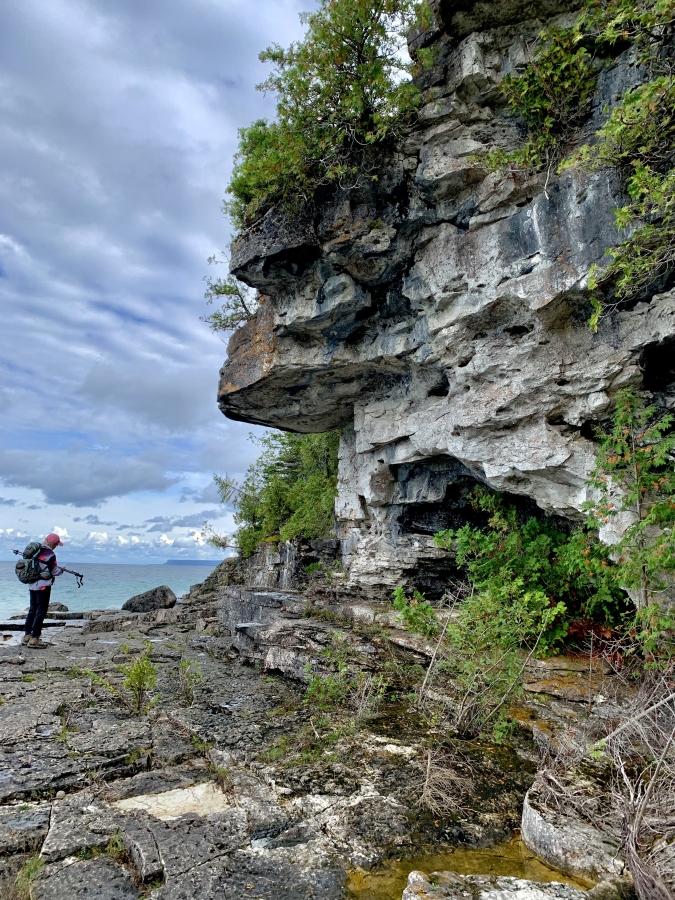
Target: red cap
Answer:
[[53, 539]]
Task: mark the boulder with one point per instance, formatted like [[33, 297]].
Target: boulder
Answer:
[[564, 841], [157, 598], [56, 608]]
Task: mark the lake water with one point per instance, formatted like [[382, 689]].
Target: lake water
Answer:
[[105, 586]]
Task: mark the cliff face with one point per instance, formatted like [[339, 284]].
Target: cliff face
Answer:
[[438, 314]]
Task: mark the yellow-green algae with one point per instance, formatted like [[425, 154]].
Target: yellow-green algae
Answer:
[[509, 858]]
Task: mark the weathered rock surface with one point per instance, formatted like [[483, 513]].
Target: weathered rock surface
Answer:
[[568, 843], [450, 886], [439, 316], [157, 598], [194, 798]]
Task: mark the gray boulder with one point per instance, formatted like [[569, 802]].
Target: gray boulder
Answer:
[[56, 608], [157, 598]]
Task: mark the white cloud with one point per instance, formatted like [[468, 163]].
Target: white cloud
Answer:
[[62, 532], [118, 123]]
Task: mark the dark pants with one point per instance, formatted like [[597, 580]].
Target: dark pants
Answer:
[[39, 601]]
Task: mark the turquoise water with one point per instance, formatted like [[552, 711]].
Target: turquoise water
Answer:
[[105, 586]]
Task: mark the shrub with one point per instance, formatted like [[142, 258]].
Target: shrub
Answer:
[[288, 492], [27, 875], [635, 475], [639, 140], [418, 615], [189, 676], [529, 573], [553, 97], [342, 89], [140, 678], [239, 303]]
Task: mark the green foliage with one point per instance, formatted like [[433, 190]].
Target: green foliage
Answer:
[[327, 691], [116, 849], [288, 492], [529, 578], [189, 676], [342, 89], [617, 23], [27, 875], [635, 479], [553, 97], [639, 139], [239, 303], [418, 615], [654, 632], [140, 678], [484, 664]]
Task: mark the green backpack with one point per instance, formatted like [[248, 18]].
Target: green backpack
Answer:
[[28, 567]]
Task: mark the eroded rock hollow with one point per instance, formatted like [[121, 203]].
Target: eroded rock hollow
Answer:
[[439, 315]]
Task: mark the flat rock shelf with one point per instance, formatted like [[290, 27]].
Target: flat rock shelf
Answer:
[[233, 785]]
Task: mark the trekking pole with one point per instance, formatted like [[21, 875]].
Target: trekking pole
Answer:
[[80, 578]]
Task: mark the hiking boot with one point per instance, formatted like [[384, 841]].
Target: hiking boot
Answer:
[[37, 644], [25, 639]]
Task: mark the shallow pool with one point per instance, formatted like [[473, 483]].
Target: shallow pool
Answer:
[[510, 858]]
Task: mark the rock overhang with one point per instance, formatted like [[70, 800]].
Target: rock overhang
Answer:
[[442, 313]]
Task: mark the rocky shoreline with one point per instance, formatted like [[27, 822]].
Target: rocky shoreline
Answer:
[[234, 786]]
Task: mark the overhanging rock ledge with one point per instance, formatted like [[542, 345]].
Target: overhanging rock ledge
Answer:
[[439, 315]]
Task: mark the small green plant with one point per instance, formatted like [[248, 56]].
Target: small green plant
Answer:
[[417, 614], [202, 746], [553, 96], [189, 676], [280, 749], [28, 678], [312, 568], [221, 776], [135, 755], [66, 728], [116, 849], [327, 691], [27, 875], [125, 648], [239, 303], [140, 679]]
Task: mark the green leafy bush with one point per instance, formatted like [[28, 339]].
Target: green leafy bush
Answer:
[[288, 492], [529, 577], [553, 97], [418, 615], [639, 140], [635, 475], [342, 89]]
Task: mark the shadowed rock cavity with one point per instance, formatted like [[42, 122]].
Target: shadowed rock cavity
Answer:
[[439, 316]]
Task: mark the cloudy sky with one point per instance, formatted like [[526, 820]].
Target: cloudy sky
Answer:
[[118, 123]]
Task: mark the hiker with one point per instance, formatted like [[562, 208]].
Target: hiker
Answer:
[[40, 592]]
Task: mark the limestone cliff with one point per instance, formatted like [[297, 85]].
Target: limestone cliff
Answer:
[[439, 317]]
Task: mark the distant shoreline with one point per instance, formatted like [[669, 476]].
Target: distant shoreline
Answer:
[[193, 562]]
